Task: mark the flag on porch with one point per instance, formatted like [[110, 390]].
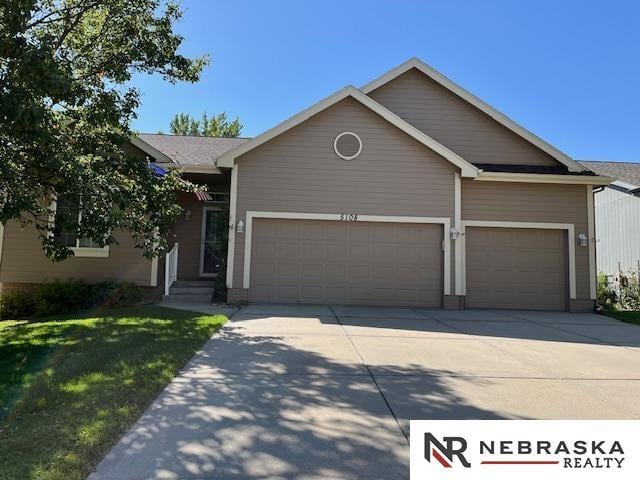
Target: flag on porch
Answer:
[[203, 196]]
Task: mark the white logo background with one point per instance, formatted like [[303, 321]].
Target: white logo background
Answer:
[[626, 432]]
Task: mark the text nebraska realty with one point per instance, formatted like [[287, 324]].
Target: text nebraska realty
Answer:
[[577, 454]]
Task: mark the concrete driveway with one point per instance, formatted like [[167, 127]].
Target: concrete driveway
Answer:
[[316, 392]]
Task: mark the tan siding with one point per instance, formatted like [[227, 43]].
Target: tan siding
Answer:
[[455, 123], [24, 262], [299, 172], [530, 202]]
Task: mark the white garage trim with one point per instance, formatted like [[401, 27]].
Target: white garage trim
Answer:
[[445, 222], [569, 227], [233, 201], [457, 223], [592, 243]]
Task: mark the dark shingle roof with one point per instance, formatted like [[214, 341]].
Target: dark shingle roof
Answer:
[[622, 171], [191, 150], [542, 169]]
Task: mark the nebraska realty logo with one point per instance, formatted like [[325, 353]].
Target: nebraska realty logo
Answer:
[[523, 449]]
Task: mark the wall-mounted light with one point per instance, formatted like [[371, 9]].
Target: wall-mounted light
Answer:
[[454, 233], [240, 228], [583, 240], [187, 215]]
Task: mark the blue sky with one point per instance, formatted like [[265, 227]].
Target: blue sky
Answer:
[[567, 70]]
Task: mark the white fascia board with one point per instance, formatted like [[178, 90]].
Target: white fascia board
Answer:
[[466, 168], [543, 178], [154, 152], [499, 117]]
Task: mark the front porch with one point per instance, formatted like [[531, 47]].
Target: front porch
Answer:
[[196, 257]]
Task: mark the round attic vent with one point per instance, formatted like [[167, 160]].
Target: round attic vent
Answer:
[[347, 145]]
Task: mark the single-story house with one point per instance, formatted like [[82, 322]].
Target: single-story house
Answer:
[[617, 215], [408, 191]]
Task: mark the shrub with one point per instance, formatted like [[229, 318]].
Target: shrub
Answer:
[[19, 304], [629, 292], [607, 296], [124, 294], [63, 296]]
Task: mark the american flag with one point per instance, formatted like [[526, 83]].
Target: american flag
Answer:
[[203, 196]]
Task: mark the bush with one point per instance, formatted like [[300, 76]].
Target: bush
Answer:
[[629, 292], [19, 304], [124, 294], [607, 296], [67, 296], [63, 296]]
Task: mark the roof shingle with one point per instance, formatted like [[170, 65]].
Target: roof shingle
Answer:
[[189, 149], [628, 173]]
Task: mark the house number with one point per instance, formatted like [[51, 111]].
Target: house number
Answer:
[[349, 217]]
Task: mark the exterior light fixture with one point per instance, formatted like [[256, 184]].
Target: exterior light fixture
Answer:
[[583, 240], [454, 234], [187, 215], [240, 228]]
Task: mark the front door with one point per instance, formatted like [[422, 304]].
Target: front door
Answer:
[[210, 256]]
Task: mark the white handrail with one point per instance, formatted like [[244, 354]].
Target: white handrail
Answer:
[[170, 268]]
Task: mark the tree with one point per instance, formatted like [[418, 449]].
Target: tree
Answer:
[[216, 126], [66, 107]]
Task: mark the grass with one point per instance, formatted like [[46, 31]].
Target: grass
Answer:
[[70, 386], [625, 316]]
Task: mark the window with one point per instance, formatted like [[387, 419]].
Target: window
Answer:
[[67, 218]]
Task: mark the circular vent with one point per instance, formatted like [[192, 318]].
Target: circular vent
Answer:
[[347, 145]]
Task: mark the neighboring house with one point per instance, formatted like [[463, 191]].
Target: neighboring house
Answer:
[[617, 213], [408, 191]]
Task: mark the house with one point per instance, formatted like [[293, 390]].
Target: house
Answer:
[[408, 191], [617, 216]]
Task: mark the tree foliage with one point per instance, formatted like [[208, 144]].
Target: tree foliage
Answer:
[[66, 107], [216, 126]]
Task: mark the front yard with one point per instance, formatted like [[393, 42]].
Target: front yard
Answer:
[[625, 316], [71, 386]]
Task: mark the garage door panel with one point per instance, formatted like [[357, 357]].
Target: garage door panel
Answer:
[[365, 263], [516, 268]]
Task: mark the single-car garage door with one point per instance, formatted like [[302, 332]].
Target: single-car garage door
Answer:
[[516, 268], [361, 263]]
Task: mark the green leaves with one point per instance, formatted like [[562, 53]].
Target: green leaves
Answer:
[[66, 110], [216, 126]]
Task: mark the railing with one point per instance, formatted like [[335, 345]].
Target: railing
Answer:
[[170, 267]]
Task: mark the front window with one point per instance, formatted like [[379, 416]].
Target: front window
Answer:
[[67, 218]]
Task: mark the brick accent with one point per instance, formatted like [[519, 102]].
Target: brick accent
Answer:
[[582, 305], [237, 295], [453, 302]]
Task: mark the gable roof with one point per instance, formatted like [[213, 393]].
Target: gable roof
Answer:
[[456, 89], [185, 150], [467, 169], [627, 175]]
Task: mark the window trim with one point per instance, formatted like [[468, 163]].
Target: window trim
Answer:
[[78, 251]]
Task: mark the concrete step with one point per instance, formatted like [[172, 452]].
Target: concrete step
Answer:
[[193, 283], [208, 290], [188, 298]]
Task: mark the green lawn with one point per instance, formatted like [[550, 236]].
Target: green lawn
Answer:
[[629, 317], [71, 386]]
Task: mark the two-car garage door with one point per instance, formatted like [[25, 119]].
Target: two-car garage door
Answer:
[[367, 263]]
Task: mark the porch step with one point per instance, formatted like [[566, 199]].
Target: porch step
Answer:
[[201, 290], [190, 291], [188, 298], [192, 283]]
